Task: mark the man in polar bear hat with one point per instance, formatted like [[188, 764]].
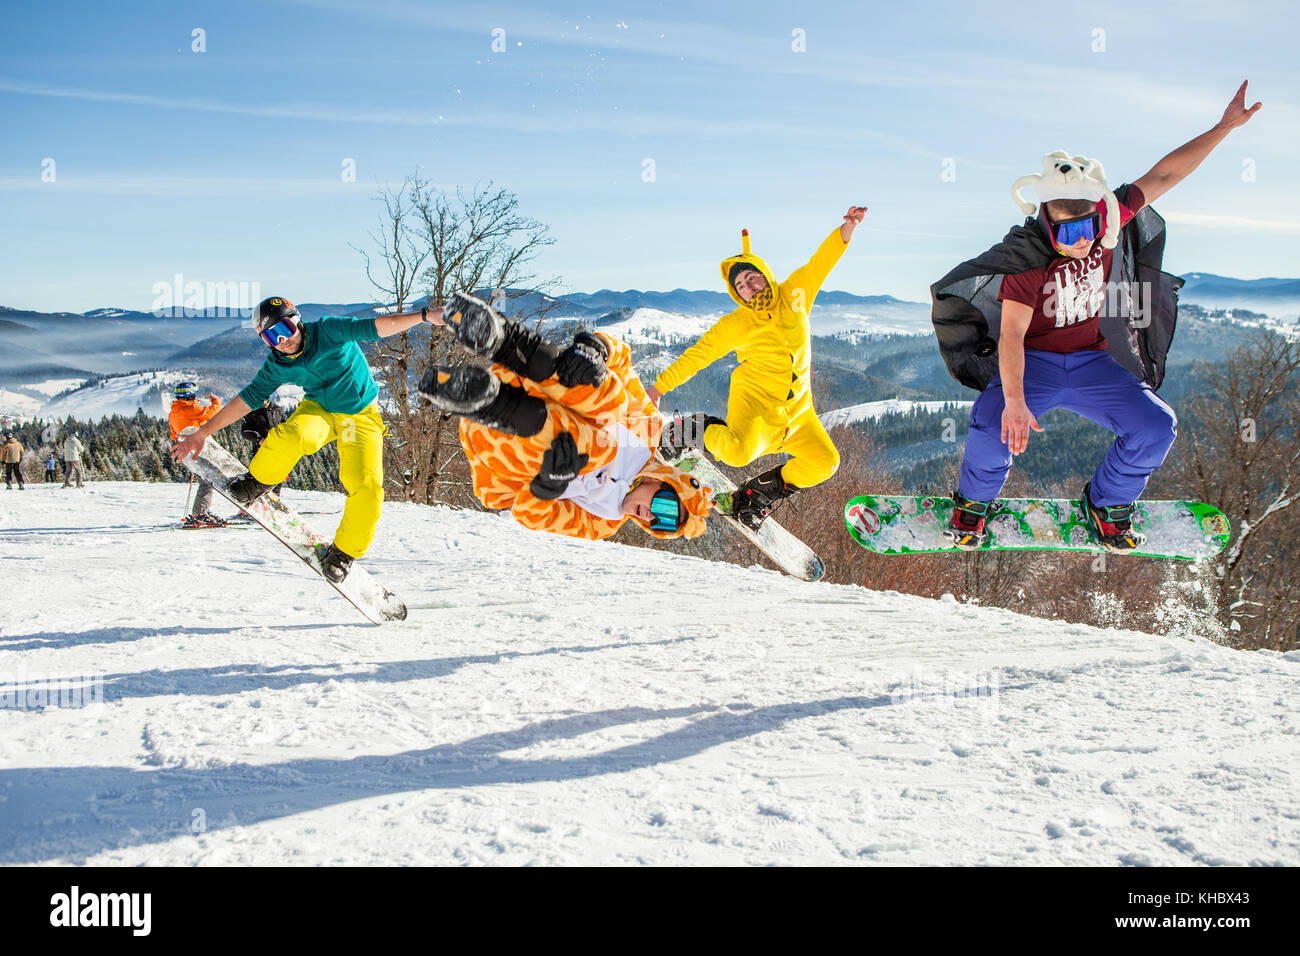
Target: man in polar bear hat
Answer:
[[1071, 310]]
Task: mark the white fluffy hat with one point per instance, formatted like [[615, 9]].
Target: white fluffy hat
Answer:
[[1071, 177]]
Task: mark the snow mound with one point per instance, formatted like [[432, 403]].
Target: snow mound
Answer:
[[875, 411], [552, 701]]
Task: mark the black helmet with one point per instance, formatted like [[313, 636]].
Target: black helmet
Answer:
[[272, 310]]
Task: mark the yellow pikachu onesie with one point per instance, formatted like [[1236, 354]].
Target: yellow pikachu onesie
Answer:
[[770, 407]]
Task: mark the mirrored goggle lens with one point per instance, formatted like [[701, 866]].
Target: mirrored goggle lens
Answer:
[[284, 329], [1074, 230], [663, 506]]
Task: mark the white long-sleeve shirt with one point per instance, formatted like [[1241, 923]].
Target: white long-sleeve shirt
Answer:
[[602, 492]]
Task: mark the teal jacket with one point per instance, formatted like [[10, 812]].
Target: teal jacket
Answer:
[[331, 367]]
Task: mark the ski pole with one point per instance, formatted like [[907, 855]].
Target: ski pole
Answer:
[[188, 489]]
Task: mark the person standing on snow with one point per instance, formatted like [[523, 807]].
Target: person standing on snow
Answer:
[[563, 440], [49, 468], [72, 451], [769, 406], [186, 412], [12, 452], [340, 405], [1067, 333]]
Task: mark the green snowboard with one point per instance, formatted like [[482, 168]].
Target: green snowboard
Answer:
[[1185, 530]]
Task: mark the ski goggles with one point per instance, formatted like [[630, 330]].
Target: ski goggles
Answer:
[[665, 508], [1067, 232], [273, 335]]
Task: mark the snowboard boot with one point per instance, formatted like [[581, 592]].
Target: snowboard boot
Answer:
[[1112, 526], [335, 564], [757, 498], [246, 489], [479, 395], [966, 528], [683, 433], [483, 331]]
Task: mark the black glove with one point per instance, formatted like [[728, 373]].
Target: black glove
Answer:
[[560, 465], [583, 362]]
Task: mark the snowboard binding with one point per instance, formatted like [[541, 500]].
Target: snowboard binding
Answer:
[[334, 564], [683, 433], [967, 526], [1111, 526], [757, 498]]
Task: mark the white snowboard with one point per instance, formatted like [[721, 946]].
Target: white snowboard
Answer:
[[788, 552], [217, 466]]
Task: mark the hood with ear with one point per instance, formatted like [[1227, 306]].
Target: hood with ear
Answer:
[[692, 494], [769, 296], [1071, 177]]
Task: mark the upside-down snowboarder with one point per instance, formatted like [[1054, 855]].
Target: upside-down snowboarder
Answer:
[[563, 439], [769, 405], [339, 405], [1071, 310]]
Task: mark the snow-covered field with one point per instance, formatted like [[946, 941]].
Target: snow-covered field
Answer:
[[556, 701], [878, 410], [117, 395]]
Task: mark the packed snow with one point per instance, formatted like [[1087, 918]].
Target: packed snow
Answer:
[[552, 701]]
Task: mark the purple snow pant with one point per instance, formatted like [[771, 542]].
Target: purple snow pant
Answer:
[[1091, 384]]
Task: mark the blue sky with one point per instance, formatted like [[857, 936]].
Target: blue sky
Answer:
[[225, 165]]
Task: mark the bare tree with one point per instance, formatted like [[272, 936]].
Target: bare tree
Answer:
[[440, 242], [1239, 449], [394, 272]]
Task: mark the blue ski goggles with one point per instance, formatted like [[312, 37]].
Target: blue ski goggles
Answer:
[[275, 334], [1069, 231], [665, 507]]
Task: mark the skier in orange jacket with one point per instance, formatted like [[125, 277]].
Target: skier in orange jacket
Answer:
[[186, 412]]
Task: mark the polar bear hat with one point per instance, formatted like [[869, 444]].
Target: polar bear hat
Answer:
[[1071, 177]]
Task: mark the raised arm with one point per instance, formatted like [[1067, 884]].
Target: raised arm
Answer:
[[728, 333], [387, 325], [812, 275], [1178, 165]]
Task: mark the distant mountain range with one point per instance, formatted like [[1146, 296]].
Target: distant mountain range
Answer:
[[37, 347], [1202, 288]]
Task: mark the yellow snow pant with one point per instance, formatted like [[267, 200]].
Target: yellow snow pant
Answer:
[[757, 425], [360, 440]]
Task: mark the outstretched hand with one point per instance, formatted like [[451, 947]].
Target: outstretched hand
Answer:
[[654, 395], [851, 220], [1237, 114]]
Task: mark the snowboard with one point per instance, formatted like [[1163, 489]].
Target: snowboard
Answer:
[[786, 551], [886, 524], [217, 466]]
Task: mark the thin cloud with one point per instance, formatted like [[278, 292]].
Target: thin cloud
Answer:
[[1209, 221]]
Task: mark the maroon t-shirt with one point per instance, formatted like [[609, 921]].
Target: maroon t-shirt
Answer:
[[1067, 294]]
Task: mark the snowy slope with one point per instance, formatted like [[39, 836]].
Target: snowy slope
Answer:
[[556, 701], [118, 395], [878, 410]]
